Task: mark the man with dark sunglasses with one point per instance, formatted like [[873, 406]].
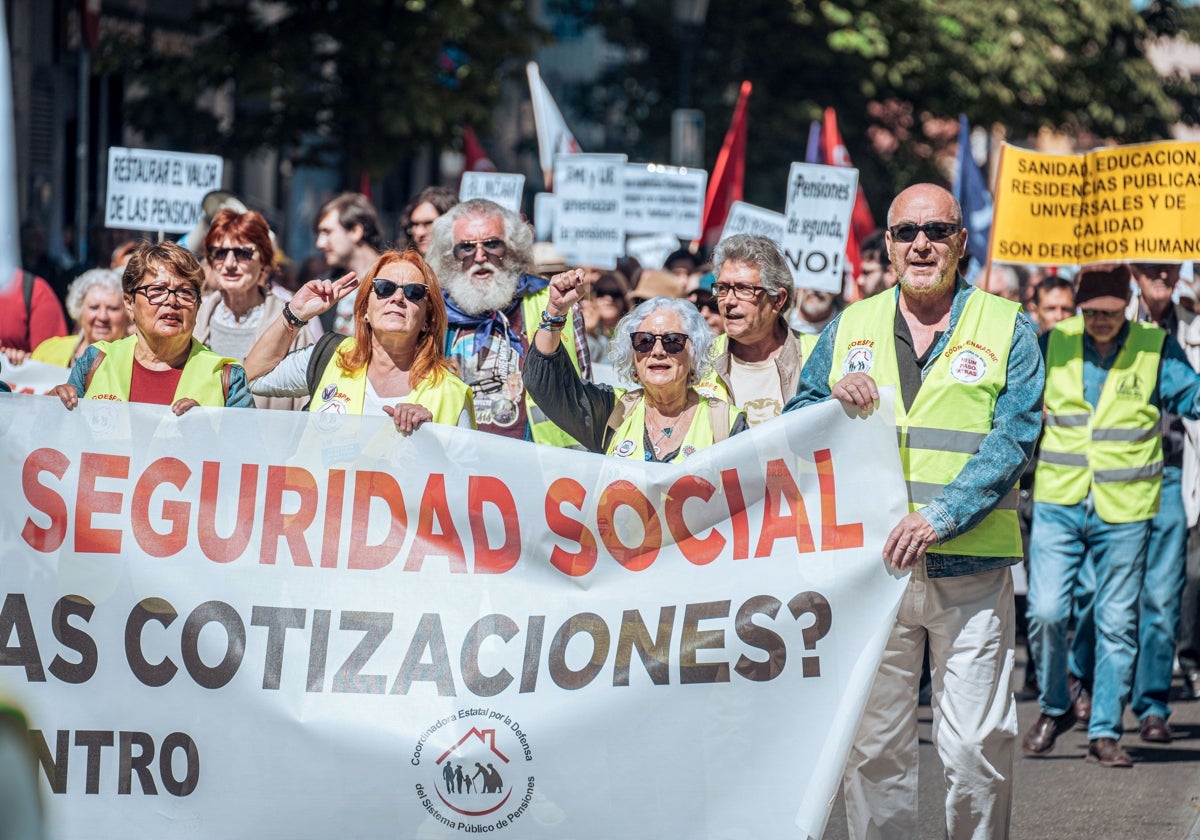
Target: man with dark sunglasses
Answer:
[[1098, 488], [968, 379], [481, 252]]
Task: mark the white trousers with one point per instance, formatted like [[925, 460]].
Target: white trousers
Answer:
[[968, 621]]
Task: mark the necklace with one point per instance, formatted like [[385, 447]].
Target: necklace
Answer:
[[664, 432]]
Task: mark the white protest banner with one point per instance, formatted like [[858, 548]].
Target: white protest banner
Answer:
[[820, 200], [161, 191], [506, 189], [664, 199], [589, 223], [248, 624], [32, 377], [758, 221]]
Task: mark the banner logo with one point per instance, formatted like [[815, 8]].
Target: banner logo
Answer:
[[478, 781]]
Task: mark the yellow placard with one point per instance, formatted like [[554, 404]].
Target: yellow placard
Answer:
[[1138, 203]]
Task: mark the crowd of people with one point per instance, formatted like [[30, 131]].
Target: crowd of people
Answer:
[[1043, 420]]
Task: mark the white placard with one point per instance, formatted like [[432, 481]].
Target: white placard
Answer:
[[504, 188], [155, 190], [543, 216], [664, 199], [589, 221], [820, 200], [758, 221], [651, 251]]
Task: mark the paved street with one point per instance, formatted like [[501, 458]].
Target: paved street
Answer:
[[1062, 797]]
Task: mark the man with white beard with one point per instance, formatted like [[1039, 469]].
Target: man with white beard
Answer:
[[480, 252]]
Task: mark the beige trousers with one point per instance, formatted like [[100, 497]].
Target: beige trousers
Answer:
[[968, 621]]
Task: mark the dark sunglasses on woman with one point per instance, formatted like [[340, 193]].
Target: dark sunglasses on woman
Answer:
[[672, 342], [413, 292]]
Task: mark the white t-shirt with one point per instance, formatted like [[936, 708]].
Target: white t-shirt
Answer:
[[761, 379]]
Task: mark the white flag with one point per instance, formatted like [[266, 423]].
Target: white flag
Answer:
[[554, 138]]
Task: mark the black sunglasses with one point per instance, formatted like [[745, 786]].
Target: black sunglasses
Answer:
[[243, 254], [934, 231], [673, 343], [414, 292], [465, 251]]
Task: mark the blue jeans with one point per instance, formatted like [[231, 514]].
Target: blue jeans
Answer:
[[1083, 643], [1162, 589], [1063, 535]]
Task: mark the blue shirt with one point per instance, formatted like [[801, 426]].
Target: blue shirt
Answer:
[[991, 473]]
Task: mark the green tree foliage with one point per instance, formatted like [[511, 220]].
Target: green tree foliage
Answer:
[[358, 81], [898, 73]]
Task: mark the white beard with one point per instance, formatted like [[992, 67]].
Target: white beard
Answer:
[[478, 296]]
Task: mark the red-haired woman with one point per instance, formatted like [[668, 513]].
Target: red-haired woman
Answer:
[[241, 261], [394, 364]]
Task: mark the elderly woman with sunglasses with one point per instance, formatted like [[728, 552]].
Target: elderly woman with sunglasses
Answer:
[[162, 362], [663, 345], [394, 364], [241, 263]]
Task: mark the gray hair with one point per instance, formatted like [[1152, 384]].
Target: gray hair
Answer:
[[518, 237], [105, 278], [765, 255], [700, 338]]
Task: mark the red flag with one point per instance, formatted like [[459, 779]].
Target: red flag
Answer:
[[89, 16], [729, 174], [475, 159], [862, 223]]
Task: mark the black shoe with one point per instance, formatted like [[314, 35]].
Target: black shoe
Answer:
[[1108, 753], [1156, 730]]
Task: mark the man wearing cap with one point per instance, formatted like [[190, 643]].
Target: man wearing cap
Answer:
[[757, 361], [968, 379], [480, 252], [1098, 484]]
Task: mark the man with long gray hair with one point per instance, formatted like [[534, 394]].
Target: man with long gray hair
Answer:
[[757, 360], [480, 252]]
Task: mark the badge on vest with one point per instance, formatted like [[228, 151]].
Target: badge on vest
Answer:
[[625, 449], [968, 367], [860, 359], [1129, 387]]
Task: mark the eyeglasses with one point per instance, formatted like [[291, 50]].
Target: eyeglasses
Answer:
[[385, 289], [464, 252], [741, 291], [673, 343], [242, 255], [1101, 313], [157, 295], [934, 231]]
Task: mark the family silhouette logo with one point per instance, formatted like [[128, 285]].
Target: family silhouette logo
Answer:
[[475, 770]]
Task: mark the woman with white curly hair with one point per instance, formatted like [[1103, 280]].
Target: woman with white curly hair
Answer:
[[663, 346], [96, 305]]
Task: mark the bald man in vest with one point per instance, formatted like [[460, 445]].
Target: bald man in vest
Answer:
[[1097, 488], [968, 378]]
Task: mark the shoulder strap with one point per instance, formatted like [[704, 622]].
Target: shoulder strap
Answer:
[[87, 383], [323, 352]]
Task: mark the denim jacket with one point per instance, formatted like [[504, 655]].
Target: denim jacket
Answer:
[[994, 470]]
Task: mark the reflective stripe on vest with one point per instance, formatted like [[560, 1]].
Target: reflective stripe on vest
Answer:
[[629, 440], [200, 380], [344, 393], [961, 387], [1113, 452], [541, 429]]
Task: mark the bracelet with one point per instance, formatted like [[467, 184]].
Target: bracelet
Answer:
[[290, 317], [552, 323]]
